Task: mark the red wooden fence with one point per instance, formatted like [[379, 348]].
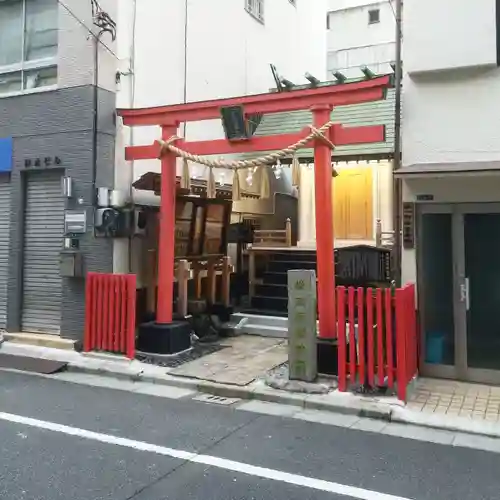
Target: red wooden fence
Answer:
[[406, 329], [110, 305], [377, 342]]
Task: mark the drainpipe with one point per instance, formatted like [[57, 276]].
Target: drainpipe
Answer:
[[397, 199], [95, 107], [131, 129], [186, 19]]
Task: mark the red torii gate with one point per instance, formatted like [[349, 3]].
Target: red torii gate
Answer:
[[321, 101]]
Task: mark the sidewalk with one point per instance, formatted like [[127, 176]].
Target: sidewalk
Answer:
[[427, 413]]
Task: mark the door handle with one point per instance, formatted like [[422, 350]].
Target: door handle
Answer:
[[464, 293]]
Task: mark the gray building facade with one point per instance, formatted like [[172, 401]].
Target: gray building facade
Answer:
[[52, 136], [47, 133]]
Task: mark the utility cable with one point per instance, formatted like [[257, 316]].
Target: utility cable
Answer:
[[81, 23]]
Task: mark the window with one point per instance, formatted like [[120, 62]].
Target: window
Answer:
[[373, 16], [28, 45], [255, 8]]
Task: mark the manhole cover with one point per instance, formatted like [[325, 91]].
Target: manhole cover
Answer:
[[216, 400]]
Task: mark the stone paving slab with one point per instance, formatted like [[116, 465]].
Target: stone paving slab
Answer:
[[246, 359]]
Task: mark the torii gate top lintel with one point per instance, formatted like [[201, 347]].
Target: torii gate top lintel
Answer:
[[320, 100], [272, 102]]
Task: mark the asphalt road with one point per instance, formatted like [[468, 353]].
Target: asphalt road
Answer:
[[61, 440]]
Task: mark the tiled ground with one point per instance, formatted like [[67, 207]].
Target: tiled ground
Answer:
[[457, 399]]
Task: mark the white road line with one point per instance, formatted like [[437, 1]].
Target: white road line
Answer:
[[221, 463]]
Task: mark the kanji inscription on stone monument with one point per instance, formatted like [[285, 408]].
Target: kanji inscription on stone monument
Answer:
[[302, 309]]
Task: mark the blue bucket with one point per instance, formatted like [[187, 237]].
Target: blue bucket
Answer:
[[434, 348]]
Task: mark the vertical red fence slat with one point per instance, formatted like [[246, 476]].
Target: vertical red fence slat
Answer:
[[389, 337], [131, 297], [401, 323], [352, 334], [369, 330], [94, 320], [116, 314], [99, 312], [123, 313], [413, 326], [110, 313], [341, 337], [411, 340], [380, 336], [88, 342], [361, 336], [105, 320]]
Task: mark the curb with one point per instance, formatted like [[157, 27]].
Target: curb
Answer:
[[452, 424], [340, 403], [255, 393], [261, 392]]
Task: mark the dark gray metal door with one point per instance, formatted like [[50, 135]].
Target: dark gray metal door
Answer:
[[4, 246], [43, 242]]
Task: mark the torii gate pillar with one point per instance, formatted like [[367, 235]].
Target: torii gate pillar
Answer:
[[324, 227], [166, 243]]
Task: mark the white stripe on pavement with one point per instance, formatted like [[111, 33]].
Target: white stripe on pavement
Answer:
[[221, 463]]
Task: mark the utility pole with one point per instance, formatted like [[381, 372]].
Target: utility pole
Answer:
[[185, 90], [397, 199], [105, 23]]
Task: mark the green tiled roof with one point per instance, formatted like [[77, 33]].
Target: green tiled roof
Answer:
[[371, 113]]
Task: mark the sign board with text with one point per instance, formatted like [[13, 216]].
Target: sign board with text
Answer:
[[302, 346]]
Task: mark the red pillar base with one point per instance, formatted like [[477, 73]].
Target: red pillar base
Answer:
[[161, 338]]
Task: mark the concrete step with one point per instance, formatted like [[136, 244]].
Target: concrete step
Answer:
[[260, 320], [266, 326], [263, 326], [40, 339], [265, 331]]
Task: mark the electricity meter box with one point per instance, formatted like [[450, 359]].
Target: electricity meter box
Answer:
[[71, 264]]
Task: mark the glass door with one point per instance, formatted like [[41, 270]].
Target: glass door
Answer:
[[437, 277], [459, 291], [480, 288]]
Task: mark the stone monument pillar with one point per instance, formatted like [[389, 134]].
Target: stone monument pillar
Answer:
[[302, 310]]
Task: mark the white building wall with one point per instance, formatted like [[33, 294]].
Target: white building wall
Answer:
[[451, 118], [449, 91], [76, 55], [449, 34], [451, 87], [353, 42], [228, 54]]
